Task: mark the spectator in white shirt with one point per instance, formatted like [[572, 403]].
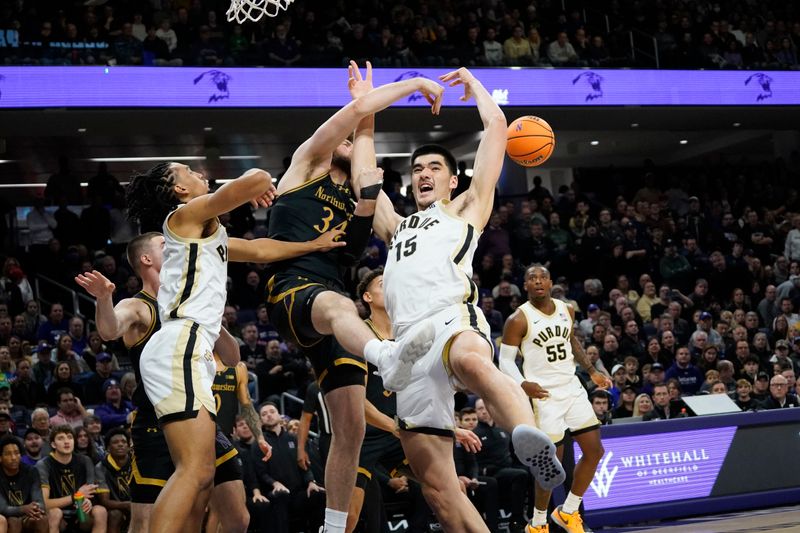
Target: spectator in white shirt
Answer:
[[792, 247], [561, 52], [40, 224], [168, 35], [492, 50]]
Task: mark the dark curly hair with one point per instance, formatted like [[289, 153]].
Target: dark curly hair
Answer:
[[150, 197]]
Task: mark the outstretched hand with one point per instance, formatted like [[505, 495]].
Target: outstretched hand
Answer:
[[468, 440], [329, 240], [96, 284], [463, 77], [266, 198], [601, 380], [357, 85], [433, 93]]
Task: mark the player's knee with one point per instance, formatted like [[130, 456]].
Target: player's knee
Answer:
[[99, 513], [55, 514], [237, 521], [595, 453]]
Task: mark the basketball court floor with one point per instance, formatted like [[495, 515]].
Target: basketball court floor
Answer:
[[779, 520]]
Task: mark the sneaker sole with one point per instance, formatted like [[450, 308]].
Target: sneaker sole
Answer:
[[412, 352], [539, 453]]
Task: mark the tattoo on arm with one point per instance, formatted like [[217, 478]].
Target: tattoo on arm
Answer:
[[580, 355], [251, 418]]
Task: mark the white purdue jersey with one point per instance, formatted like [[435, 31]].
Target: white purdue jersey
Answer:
[[193, 279], [546, 349], [429, 266]]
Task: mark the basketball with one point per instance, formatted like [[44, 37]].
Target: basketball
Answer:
[[530, 141]]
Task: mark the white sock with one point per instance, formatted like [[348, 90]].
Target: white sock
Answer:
[[372, 351], [539, 517], [335, 521], [572, 503]]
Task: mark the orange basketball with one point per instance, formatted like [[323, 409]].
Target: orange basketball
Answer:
[[530, 141]]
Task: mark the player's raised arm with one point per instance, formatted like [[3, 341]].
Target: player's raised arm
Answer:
[[255, 185], [477, 205], [112, 321], [314, 155], [271, 250], [363, 158]]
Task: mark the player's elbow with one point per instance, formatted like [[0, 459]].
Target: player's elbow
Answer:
[[260, 178], [497, 121]]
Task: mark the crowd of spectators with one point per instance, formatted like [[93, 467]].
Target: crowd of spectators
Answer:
[[727, 34], [682, 286]]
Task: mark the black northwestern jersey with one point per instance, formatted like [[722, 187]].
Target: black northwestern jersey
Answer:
[[384, 401], [303, 214], [114, 479], [224, 389], [65, 479], [23, 488], [140, 399]]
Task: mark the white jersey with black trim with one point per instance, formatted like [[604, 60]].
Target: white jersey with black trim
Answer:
[[193, 279], [429, 266], [546, 349]]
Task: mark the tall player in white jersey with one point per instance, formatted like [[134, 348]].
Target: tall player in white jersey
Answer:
[[542, 329], [428, 279], [177, 364]]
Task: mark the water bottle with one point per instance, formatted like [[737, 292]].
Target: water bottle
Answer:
[[78, 499]]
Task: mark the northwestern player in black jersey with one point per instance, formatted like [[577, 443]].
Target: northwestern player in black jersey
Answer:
[[135, 320], [21, 501], [113, 474], [305, 299], [64, 473], [233, 399]]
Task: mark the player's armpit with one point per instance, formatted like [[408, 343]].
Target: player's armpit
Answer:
[[386, 218]]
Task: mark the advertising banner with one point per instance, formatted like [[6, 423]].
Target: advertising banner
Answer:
[[646, 469], [36, 87]]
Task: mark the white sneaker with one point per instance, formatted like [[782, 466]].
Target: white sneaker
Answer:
[[397, 359]]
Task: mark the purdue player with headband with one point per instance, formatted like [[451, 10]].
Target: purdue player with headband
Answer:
[[428, 279], [305, 298], [542, 330]]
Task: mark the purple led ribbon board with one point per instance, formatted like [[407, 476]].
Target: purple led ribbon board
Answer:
[[646, 469], [32, 87]]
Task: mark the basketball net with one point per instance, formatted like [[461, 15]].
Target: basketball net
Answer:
[[244, 10]]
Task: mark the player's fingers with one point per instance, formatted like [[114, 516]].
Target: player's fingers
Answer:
[[455, 82], [437, 106], [356, 71], [369, 71], [339, 244], [428, 97], [448, 76]]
